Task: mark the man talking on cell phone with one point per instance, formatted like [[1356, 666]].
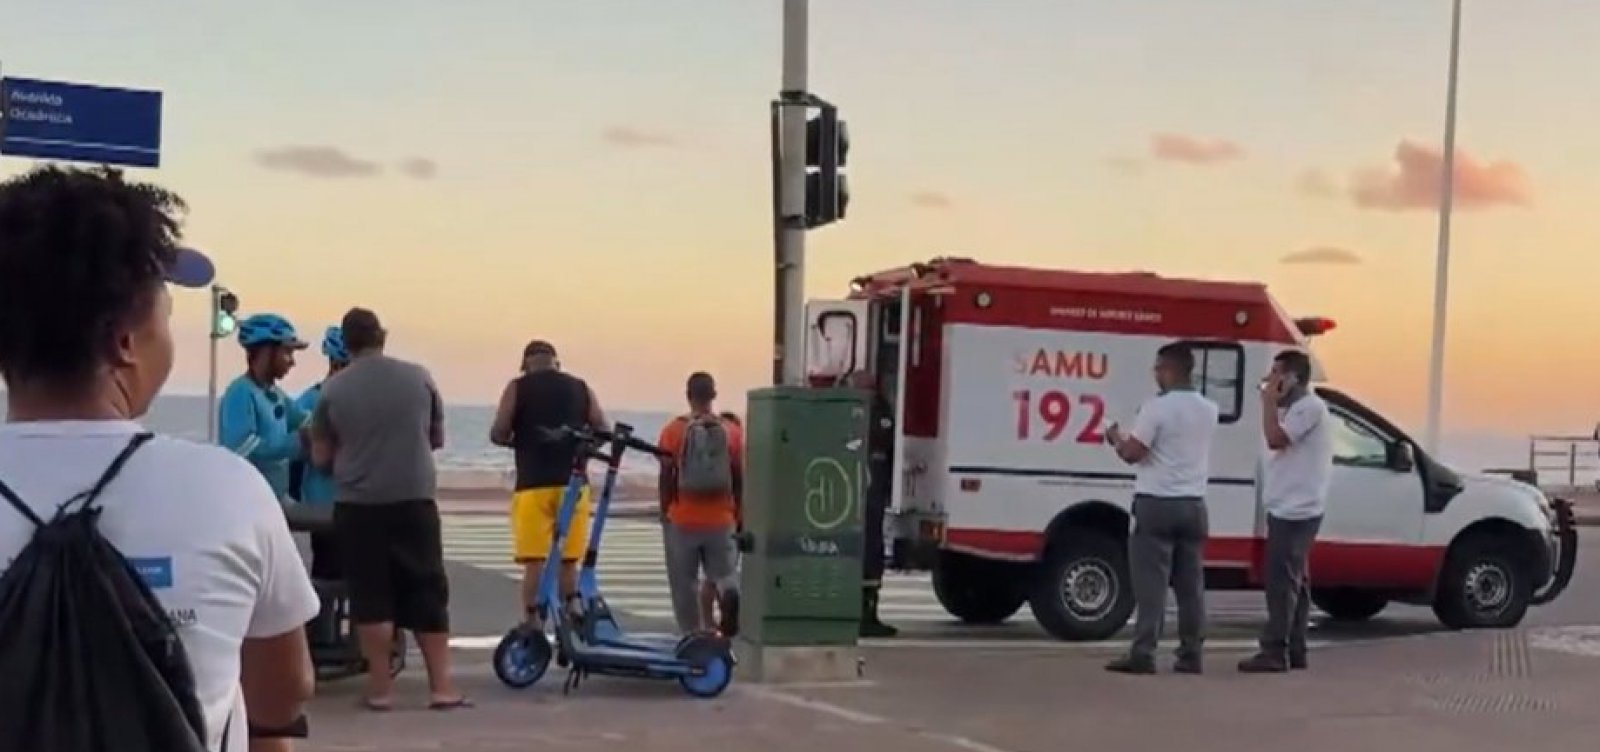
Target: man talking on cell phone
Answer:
[[1299, 467]]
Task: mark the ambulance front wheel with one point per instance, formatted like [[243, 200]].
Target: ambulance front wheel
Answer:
[[1485, 583], [1084, 590]]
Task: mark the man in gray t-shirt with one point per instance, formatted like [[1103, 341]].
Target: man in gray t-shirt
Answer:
[[387, 419], [375, 430]]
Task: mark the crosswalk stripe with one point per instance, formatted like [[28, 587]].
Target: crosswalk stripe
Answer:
[[634, 580]]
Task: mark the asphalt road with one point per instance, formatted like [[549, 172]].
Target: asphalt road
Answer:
[[485, 599]]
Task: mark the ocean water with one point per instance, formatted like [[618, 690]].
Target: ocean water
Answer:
[[472, 460], [466, 445]]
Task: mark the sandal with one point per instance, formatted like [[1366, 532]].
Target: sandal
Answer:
[[452, 704], [377, 706]]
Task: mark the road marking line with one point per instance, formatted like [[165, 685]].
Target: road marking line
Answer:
[[865, 719], [489, 642], [1005, 644], [826, 708]]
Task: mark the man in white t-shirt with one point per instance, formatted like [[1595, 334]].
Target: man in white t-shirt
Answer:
[[85, 346], [1170, 448], [1299, 436]]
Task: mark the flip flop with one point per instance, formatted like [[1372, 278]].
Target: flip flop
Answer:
[[448, 705], [377, 706]]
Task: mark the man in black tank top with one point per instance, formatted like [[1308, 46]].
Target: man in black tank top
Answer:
[[541, 399]]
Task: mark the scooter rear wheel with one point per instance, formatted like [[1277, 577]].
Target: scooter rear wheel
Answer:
[[712, 661], [522, 657]]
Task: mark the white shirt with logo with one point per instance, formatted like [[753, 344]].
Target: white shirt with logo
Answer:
[[1297, 476], [1177, 426], [198, 522]]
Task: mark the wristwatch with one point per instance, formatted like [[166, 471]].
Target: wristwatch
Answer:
[[298, 728]]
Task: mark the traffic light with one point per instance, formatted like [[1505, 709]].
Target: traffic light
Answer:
[[827, 148], [224, 304]]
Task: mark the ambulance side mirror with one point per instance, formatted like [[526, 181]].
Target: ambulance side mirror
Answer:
[[1401, 458]]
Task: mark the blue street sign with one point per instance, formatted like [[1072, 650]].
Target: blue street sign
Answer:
[[79, 123]]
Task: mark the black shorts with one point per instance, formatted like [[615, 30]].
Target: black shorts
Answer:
[[394, 564], [326, 563]]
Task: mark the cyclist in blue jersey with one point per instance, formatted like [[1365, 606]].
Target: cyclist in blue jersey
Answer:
[[256, 419], [315, 485]]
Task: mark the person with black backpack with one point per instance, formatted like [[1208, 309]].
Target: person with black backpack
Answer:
[[152, 598]]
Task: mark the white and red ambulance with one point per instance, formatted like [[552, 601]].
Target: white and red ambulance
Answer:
[[1003, 380]]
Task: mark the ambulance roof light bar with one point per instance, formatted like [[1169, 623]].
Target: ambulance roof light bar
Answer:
[[1315, 325]]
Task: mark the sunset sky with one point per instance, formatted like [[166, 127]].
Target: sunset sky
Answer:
[[596, 172]]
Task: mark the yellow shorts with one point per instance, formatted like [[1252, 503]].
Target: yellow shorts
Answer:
[[533, 524]]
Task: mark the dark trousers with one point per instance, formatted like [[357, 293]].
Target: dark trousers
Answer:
[[1168, 547], [1288, 586], [872, 541]]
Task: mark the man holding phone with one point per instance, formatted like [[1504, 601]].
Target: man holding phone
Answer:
[[1170, 449], [1299, 435]]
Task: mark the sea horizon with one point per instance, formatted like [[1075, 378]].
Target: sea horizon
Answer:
[[470, 461]]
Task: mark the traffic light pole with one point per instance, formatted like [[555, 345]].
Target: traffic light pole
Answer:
[[789, 325]]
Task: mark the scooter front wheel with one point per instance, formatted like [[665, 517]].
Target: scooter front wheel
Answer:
[[522, 657], [711, 663]]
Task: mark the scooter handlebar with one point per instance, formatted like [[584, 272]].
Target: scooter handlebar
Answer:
[[621, 433]]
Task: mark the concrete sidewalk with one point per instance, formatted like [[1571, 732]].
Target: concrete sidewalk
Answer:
[[1457, 692]]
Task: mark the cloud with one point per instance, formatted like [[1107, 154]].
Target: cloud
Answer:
[[636, 138], [1316, 184], [317, 162], [932, 200], [1176, 147], [420, 168], [1126, 165], [1414, 181], [1324, 255]]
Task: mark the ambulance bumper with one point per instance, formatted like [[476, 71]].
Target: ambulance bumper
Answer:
[[1562, 559]]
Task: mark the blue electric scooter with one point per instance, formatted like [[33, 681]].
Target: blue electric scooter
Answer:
[[592, 642], [599, 625]]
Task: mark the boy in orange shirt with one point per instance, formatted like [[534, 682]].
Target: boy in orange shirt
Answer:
[[701, 489]]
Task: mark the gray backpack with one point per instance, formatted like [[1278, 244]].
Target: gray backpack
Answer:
[[705, 466]]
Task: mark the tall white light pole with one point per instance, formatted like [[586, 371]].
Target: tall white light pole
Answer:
[[1441, 275], [790, 289]]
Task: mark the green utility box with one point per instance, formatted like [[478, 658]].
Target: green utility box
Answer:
[[805, 478]]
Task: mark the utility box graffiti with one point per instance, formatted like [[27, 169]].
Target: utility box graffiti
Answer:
[[805, 476]]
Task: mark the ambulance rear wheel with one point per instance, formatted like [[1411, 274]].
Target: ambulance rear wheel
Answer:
[[1343, 604], [1083, 591], [977, 591]]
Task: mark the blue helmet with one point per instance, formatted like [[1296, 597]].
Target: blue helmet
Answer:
[[268, 329], [333, 345]]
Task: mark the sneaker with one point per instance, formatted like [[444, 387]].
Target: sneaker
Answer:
[[877, 629], [1131, 665], [1261, 663], [1188, 665]]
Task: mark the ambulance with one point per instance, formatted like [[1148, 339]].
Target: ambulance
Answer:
[[1003, 380]]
